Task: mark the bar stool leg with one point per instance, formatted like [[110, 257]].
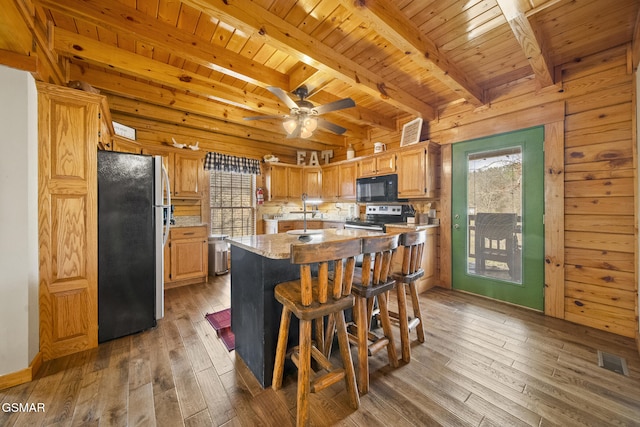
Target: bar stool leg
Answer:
[[404, 323], [349, 374], [304, 366], [362, 324], [281, 349], [386, 327], [416, 311]]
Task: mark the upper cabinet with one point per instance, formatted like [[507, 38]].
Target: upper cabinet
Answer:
[[416, 168], [378, 164], [188, 176], [312, 182], [339, 181], [284, 181]]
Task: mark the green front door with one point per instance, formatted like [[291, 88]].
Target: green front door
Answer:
[[497, 217]]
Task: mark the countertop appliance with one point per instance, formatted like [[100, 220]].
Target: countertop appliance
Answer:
[[133, 226], [376, 216], [377, 189]]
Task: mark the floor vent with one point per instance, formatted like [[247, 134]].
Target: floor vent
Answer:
[[613, 363]]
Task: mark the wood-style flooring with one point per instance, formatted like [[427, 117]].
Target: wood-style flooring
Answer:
[[483, 364]]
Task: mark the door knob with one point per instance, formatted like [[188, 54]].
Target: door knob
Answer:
[[456, 226]]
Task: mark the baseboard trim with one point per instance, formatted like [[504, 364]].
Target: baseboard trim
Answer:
[[22, 376]]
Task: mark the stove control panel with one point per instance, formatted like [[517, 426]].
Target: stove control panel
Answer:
[[395, 210]]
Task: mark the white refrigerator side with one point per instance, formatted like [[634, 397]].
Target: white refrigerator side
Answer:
[[162, 190]]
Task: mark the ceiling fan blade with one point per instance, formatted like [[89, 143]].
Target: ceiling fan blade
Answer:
[[335, 105], [283, 96], [339, 130], [275, 116]]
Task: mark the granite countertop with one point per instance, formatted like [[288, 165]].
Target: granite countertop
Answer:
[[308, 219], [278, 246], [417, 227]]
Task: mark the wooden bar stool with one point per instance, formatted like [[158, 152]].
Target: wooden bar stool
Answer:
[[413, 244], [311, 299], [373, 281]]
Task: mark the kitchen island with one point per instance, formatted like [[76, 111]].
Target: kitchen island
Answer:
[[258, 264]]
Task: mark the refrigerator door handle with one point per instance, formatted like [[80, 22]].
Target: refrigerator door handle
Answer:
[[167, 207]]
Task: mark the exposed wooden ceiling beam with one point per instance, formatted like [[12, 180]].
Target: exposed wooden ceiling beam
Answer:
[[135, 108], [260, 23], [389, 21], [76, 46], [118, 18], [126, 87], [530, 40]]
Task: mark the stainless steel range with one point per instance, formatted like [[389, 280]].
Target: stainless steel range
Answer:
[[376, 216]]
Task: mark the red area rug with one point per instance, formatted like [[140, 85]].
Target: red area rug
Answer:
[[221, 322]]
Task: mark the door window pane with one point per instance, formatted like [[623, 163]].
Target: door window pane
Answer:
[[494, 209]]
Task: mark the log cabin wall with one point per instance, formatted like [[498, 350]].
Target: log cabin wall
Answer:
[[599, 286]]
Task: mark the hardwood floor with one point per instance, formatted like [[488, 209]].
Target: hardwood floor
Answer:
[[483, 364]]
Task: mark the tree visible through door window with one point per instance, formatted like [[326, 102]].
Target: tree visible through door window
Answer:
[[232, 203]]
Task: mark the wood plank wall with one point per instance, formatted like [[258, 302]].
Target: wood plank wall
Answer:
[[600, 279]]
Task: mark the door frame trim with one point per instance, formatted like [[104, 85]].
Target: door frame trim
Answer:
[[553, 122]]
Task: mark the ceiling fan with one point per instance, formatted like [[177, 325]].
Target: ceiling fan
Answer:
[[303, 115]]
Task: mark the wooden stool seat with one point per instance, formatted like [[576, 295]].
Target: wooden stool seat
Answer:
[[289, 295], [310, 299], [413, 244]]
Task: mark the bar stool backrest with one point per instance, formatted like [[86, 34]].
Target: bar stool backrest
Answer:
[[413, 243], [341, 253], [376, 262]]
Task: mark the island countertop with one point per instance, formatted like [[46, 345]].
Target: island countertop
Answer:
[[278, 246]]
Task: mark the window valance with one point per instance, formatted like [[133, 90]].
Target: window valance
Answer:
[[226, 163]]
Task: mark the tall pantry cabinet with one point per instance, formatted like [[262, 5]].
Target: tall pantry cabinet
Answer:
[[68, 128]]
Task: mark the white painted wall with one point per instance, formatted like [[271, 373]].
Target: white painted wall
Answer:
[[19, 339]]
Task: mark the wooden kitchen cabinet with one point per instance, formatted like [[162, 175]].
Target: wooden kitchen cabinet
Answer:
[[68, 134], [284, 182], [123, 145], [339, 181], [378, 164], [348, 172], [186, 259], [312, 182], [416, 171], [188, 176]]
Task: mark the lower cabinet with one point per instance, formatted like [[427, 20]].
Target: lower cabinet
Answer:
[[186, 256], [286, 225]]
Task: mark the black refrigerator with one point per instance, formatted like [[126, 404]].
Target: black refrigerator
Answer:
[[131, 236]]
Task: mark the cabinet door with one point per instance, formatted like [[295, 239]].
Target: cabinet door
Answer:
[[188, 258], [278, 182], [312, 181], [368, 166], [123, 146], [330, 182], [188, 177], [385, 163], [412, 173], [284, 226], [295, 183], [68, 127], [347, 180]]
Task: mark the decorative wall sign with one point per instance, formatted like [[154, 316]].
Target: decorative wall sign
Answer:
[[313, 157], [411, 132]]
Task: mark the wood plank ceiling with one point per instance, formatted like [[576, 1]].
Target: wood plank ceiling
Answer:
[[397, 59]]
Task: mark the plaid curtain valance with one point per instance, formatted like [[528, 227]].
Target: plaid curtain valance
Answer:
[[225, 163]]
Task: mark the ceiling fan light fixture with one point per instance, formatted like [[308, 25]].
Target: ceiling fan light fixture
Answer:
[[290, 125], [310, 123]]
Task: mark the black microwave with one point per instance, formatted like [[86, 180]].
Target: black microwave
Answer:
[[377, 189]]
